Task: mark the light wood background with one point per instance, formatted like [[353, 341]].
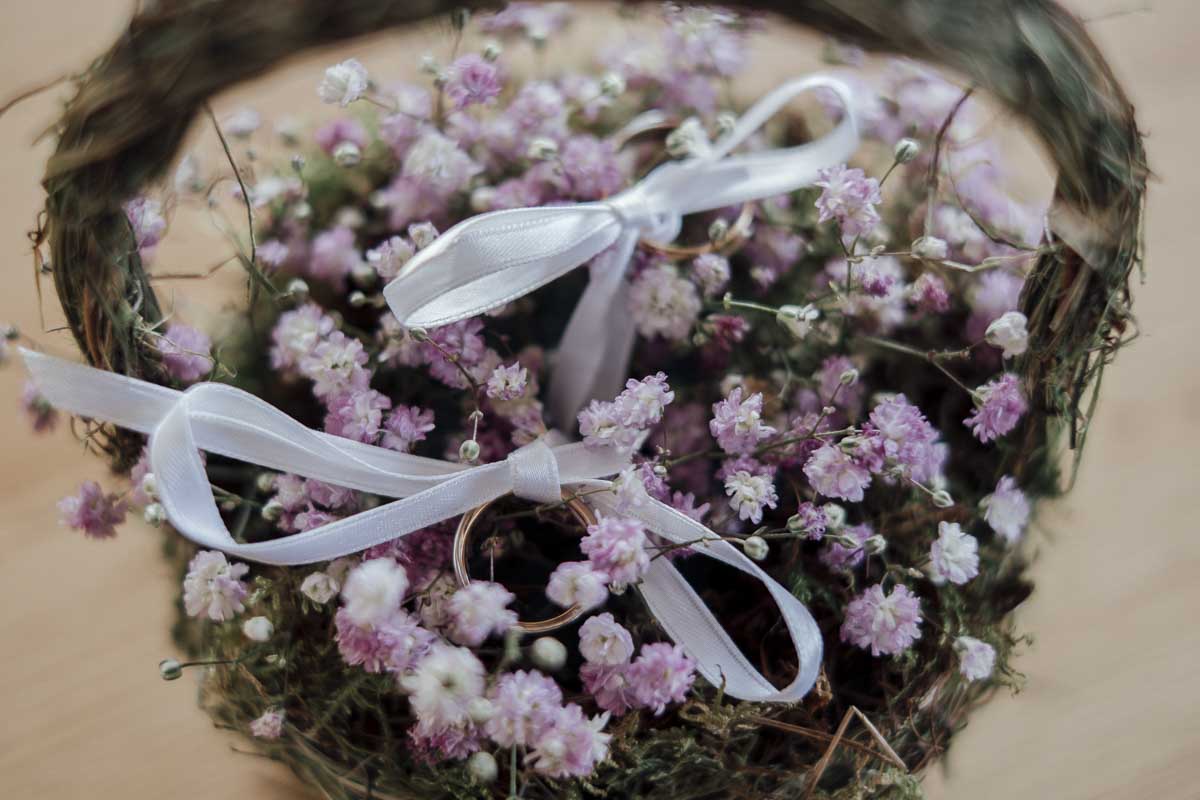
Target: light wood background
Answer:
[[1112, 707]]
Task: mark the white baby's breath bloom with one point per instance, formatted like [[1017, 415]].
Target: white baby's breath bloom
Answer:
[[1006, 509], [748, 493], [320, 587], [1008, 332], [443, 685], [258, 629], [241, 123], [954, 556], [344, 83], [689, 139], [930, 248], [798, 319], [374, 590]]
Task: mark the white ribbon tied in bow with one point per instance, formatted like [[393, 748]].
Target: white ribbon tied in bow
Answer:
[[487, 261], [230, 422]]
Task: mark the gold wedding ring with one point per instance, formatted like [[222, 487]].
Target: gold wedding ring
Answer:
[[463, 536]]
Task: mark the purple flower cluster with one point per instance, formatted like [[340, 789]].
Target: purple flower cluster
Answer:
[[849, 197], [93, 512], [884, 623], [662, 673]]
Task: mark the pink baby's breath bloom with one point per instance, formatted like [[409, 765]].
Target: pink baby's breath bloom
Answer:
[[480, 610], [839, 556], [460, 339], [603, 424], [835, 474], [389, 256], [610, 686], [928, 292], [737, 424], [269, 725], [432, 745], [711, 271], [663, 303], [406, 426], [297, 333], [146, 218], [616, 546], [977, 659], [336, 365], [334, 255], [1000, 404], [603, 640], [849, 197], [662, 674], [339, 131], [344, 83], [642, 402], [525, 704], [908, 440], [472, 80], [571, 745], [810, 520], [590, 168], [507, 382], [885, 624], [954, 556], [213, 587], [356, 415], [186, 352], [1006, 509], [92, 511], [42, 416], [578, 583]]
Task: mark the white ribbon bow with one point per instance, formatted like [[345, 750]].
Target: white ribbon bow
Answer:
[[487, 261], [222, 419]]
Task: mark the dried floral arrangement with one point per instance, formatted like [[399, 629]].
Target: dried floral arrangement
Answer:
[[862, 385]]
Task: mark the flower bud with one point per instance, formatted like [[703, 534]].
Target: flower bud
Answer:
[[835, 516], [297, 289], [718, 230], [541, 149], [298, 163], [170, 669], [265, 482], [422, 234], [482, 767], [874, 545], [363, 275], [795, 524], [482, 198], [258, 629], [848, 377], [689, 139], [548, 653], [347, 154], [468, 451], [480, 710], [272, 511], [756, 547], [942, 499], [357, 299], [155, 514], [492, 51], [726, 122], [429, 65], [612, 85], [906, 150], [149, 485], [930, 248]]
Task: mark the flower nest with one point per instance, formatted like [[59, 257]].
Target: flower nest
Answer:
[[893, 320]]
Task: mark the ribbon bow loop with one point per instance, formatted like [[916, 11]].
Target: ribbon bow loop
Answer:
[[487, 261]]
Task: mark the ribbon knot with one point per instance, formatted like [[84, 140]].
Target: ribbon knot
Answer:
[[489, 260], [534, 473]]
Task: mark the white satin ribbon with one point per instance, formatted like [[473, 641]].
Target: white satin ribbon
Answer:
[[224, 420], [487, 261]]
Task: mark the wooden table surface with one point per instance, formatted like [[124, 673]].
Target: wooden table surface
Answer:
[[1112, 705]]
